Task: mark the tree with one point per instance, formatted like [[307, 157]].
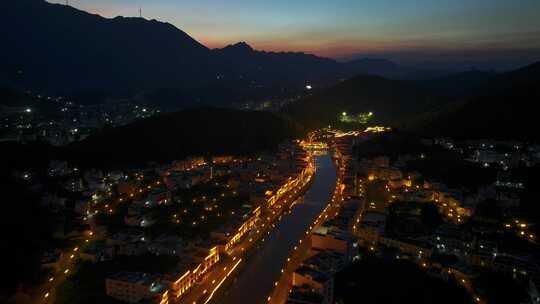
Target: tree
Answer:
[[501, 289], [378, 281], [489, 210], [431, 218], [25, 232]]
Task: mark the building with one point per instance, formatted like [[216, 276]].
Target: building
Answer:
[[184, 283], [97, 253], [160, 196], [134, 287], [313, 282], [412, 247], [74, 185], [126, 187], [304, 295], [372, 226], [327, 261], [144, 220], [187, 179], [222, 159], [450, 239], [330, 238], [58, 168], [420, 196], [166, 245], [319, 282], [249, 219], [513, 265], [188, 163], [128, 242]]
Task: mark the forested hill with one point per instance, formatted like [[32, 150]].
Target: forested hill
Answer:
[[504, 109], [390, 101], [202, 131]]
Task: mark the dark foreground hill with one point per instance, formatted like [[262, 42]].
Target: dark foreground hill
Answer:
[[390, 101], [507, 115], [393, 282], [203, 131]]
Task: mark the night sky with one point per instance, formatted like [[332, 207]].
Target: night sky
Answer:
[[412, 30]]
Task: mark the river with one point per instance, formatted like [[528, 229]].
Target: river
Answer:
[[255, 282]]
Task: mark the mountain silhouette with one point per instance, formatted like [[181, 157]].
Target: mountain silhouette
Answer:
[[502, 108], [57, 48], [377, 67], [240, 48], [265, 67]]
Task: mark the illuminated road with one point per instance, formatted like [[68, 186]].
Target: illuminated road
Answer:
[[205, 290], [256, 281]]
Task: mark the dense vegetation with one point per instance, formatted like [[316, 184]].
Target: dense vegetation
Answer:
[[453, 170], [390, 101], [467, 105], [390, 144], [508, 115], [32, 157], [504, 110], [459, 85], [377, 281], [501, 289], [412, 219], [25, 234], [204, 131]]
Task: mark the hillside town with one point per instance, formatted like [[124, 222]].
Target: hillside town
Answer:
[[60, 120], [390, 209]]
